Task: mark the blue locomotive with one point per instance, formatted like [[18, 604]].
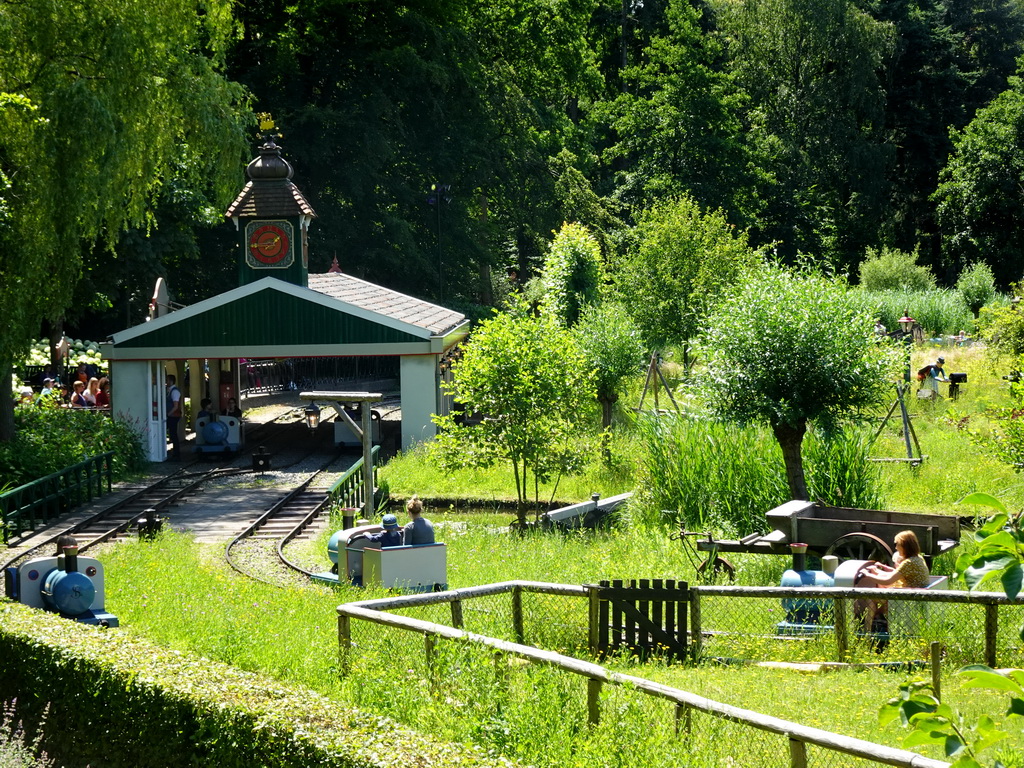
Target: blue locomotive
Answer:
[[218, 434], [67, 584]]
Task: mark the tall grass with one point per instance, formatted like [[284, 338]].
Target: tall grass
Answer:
[[939, 312], [706, 475]]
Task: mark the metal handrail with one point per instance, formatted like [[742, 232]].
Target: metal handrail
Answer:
[[25, 507]]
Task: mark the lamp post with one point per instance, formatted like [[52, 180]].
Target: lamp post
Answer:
[[312, 414], [439, 194]]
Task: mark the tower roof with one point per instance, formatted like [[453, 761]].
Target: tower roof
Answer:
[[270, 192]]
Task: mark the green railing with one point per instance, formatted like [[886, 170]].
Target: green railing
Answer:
[[349, 490], [27, 506]]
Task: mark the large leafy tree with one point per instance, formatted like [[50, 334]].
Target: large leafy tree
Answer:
[[811, 71], [678, 264], [573, 274], [102, 106], [528, 378], [614, 349], [677, 121], [790, 350], [981, 204]]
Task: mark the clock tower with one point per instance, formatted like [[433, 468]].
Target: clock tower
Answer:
[[272, 218]]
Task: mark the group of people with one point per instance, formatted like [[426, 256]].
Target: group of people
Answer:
[[417, 531], [94, 393]]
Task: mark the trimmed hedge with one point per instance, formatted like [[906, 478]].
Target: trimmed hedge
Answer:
[[117, 700]]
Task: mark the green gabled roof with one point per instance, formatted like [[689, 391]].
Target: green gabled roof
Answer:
[[273, 318]]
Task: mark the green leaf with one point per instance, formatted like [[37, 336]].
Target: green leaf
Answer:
[[953, 746], [984, 500], [922, 738], [1012, 579], [987, 678]]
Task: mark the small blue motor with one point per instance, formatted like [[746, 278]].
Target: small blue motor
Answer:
[[67, 584], [804, 614]]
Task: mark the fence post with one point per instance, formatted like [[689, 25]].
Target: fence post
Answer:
[[936, 658], [696, 638], [594, 701], [456, 613], [839, 621], [797, 753], [991, 629], [594, 618], [684, 719], [344, 642], [429, 647], [517, 615]]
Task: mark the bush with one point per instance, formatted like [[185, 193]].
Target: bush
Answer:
[[122, 701], [706, 475], [49, 439], [939, 312], [892, 270], [977, 285]]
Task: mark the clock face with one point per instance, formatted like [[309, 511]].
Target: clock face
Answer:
[[270, 244]]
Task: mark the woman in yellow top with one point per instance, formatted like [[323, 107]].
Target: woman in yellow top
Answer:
[[908, 570]]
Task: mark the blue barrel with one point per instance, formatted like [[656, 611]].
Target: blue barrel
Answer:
[[69, 593], [802, 610]]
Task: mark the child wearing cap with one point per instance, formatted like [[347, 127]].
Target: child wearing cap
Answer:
[[391, 536]]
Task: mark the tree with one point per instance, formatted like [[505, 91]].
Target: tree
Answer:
[[977, 285], [677, 122], [814, 119], [528, 378], [790, 350], [613, 347], [980, 199], [102, 106], [572, 274], [678, 264], [891, 270]]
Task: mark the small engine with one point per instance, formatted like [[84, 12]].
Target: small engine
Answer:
[[804, 615], [67, 584]]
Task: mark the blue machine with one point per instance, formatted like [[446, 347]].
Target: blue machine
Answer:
[[218, 434], [69, 585], [804, 615]]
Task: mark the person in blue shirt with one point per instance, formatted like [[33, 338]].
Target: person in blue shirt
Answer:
[[391, 536]]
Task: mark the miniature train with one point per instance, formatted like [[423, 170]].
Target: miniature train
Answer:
[[66, 584], [420, 568], [218, 434]]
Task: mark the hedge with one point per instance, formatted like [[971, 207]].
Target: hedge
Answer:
[[107, 698]]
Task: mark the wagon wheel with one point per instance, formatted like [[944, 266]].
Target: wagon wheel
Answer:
[[860, 546]]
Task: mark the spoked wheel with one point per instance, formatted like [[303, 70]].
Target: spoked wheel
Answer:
[[860, 546]]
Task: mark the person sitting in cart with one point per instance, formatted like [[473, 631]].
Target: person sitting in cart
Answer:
[[909, 570], [391, 536]]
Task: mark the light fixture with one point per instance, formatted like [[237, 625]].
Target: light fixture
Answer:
[[312, 413], [907, 323]]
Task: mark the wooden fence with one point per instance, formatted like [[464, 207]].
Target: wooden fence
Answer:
[[798, 736], [644, 617], [26, 507]]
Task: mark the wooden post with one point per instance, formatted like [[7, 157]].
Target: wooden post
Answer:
[[367, 440], [500, 667], [935, 654], [594, 619], [517, 615], [797, 753], [684, 719], [429, 648], [456, 613], [696, 638], [594, 701], [344, 642], [991, 629], [842, 634]]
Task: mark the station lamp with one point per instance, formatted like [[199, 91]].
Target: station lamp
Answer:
[[312, 413], [907, 323]]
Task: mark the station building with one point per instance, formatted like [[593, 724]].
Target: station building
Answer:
[[279, 311]]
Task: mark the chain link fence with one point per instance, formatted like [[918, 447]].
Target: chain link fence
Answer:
[[488, 687]]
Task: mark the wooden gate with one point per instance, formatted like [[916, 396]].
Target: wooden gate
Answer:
[[647, 617]]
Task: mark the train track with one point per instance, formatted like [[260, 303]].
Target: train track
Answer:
[[258, 552], [125, 515]]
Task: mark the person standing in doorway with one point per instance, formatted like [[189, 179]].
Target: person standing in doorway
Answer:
[[174, 410]]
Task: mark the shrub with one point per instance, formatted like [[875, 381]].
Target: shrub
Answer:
[[49, 439], [892, 270], [977, 285], [123, 701], [572, 273]]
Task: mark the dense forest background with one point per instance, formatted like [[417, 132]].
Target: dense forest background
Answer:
[[442, 143]]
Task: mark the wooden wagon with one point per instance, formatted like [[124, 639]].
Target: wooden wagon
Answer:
[[850, 534]]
